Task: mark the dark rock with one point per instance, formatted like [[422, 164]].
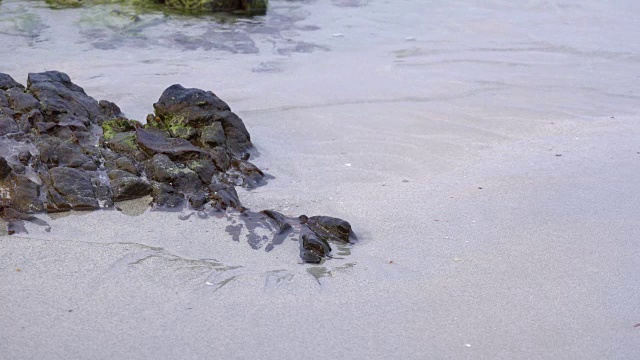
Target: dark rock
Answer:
[[281, 221], [249, 7], [24, 157], [117, 174], [7, 112], [19, 168], [330, 228], [125, 144], [108, 154], [251, 174], [109, 109], [25, 195], [238, 139], [129, 187], [24, 125], [33, 117], [224, 196], [160, 168], [21, 102], [313, 248], [220, 158], [7, 82], [89, 166], [73, 122], [182, 108], [198, 200], [165, 195], [156, 142], [55, 202], [44, 127], [188, 107], [213, 135], [126, 164], [56, 152], [255, 7], [8, 126], [59, 97], [5, 169], [75, 186], [4, 102], [204, 168], [187, 181]]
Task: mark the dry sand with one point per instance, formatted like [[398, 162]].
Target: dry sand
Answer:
[[489, 170]]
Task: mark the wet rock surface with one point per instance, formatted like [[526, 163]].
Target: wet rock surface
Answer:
[[63, 150]]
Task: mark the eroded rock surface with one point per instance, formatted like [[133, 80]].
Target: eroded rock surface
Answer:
[[63, 150]]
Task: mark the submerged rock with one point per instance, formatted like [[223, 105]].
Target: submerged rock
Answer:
[[249, 7], [330, 228], [313, 248], [77, 153]]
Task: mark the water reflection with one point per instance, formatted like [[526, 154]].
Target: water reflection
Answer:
[[112, 26]]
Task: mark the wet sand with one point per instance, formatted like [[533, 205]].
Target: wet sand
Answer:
[[488, 166]]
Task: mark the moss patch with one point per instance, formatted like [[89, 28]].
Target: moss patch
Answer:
[[111, 127]]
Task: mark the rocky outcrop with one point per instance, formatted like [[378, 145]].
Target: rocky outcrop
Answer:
[[69, 151], [249, 7]]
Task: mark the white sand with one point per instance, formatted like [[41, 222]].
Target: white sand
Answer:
[[540, 263]]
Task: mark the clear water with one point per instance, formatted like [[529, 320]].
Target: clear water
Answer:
[[390, 114]]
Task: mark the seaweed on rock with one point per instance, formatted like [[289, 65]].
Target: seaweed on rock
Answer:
[[64, 150], [249, 7]]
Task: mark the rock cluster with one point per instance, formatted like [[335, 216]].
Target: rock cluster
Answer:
[[62, 150], [250, 7]]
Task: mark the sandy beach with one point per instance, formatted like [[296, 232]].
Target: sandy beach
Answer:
[[487, 156]]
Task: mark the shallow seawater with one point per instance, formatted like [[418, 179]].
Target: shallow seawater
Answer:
[[337, 95], [485, 152]]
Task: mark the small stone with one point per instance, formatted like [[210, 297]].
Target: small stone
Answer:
[[19, 168], [198, 200], [5, 169], [24, 157]]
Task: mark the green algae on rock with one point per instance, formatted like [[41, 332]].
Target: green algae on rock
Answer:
[[249, 7]]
